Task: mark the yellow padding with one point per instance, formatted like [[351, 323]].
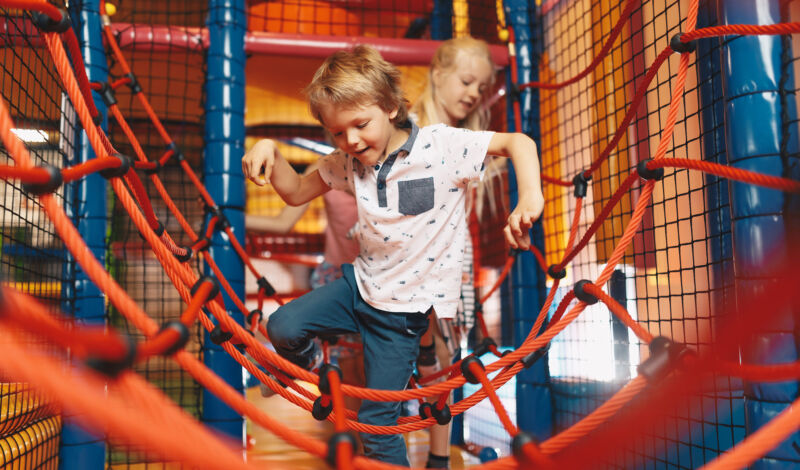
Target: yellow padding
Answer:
[[43, 289], [19, 406], [36, 446]]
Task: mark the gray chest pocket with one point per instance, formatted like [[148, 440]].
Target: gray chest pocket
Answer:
[[416, 196]]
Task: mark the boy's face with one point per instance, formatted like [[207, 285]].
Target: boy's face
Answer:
[[361, 131]]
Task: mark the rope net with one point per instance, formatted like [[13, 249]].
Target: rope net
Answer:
[[640, 240]]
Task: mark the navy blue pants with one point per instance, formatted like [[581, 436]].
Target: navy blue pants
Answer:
[[391, 345]]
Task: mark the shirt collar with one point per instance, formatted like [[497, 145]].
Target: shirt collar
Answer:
[[412, 137]]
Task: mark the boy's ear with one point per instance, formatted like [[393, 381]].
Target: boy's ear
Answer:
[[393, 113]]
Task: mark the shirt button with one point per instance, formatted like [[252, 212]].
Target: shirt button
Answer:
[[377, 167], [381, 185]]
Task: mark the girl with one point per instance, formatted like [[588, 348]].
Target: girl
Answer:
[[460, 77]]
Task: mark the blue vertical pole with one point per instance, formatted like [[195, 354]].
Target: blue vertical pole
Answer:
[[442, 20], [534, 401], [757, 116], [222, 169], [79, 449]]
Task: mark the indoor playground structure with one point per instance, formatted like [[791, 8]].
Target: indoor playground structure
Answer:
[[653, 323]]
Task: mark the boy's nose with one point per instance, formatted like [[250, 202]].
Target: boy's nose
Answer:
[[352, 138]]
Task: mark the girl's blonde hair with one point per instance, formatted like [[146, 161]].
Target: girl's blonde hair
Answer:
[[445, 60], [360, 77]]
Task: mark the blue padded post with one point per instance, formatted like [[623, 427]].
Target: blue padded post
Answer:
[[534, 399], [222, 170], [442, 20], [718, 218], [759, 137], [79, 449]]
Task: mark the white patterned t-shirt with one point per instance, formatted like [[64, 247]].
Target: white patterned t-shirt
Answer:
[[411, 220]]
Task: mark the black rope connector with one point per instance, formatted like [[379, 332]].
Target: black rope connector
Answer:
[[513, 252], [664, 355], [202, 243], [534, 357], [121, 170], [324, 384], [49, 25], [222, 221], [681, 47], [425, 411], [648, 174], [219, 336], [155, 169], [38, 189], [581, 293], [581, 183], [333, 446], [133, 84], [514, 92], [176, 152], [112, 367], [183, 337], [255, 312], [263, 284], [214, 291], [319, 412], [551, 271], [518, 442], [442, 416], [468, 373], [186, 256], [159, 230], [107, 94], [484, 347]]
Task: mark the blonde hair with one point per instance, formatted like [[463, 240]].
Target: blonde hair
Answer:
[[357, 78], [445, 60]]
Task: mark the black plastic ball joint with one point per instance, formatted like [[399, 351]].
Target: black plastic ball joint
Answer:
[[581, 293], [56, 179], [681, 47], [49, 25], [320, 412], [333, 446], [648, 174]]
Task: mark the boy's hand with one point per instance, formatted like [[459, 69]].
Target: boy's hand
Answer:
[[260, 159], [521, 220]]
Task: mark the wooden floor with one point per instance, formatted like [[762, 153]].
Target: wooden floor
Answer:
[[268, 448]]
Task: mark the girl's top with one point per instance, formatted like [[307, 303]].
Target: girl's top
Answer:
[[342, 214], [412, 224]]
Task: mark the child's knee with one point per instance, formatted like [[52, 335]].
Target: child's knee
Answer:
[[282, 331]]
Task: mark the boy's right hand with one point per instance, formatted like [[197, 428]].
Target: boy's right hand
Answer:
[[260, 159]]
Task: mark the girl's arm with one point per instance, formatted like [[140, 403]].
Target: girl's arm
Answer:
[[521, 149], [294, 189]]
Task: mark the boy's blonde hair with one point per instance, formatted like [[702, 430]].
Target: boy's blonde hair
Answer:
[[445, 60], [360, 77]]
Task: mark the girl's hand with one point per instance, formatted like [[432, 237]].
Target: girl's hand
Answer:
[[260, 159], [528, 210]]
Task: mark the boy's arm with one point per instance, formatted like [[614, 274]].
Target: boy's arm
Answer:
[[294, 189], [521, 149]]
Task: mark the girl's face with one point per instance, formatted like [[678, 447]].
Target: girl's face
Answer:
[[362, 131], [458, 91]]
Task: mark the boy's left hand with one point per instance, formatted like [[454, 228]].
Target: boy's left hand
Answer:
[[521, 220]]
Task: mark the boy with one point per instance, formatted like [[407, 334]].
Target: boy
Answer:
[[409, 184]]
